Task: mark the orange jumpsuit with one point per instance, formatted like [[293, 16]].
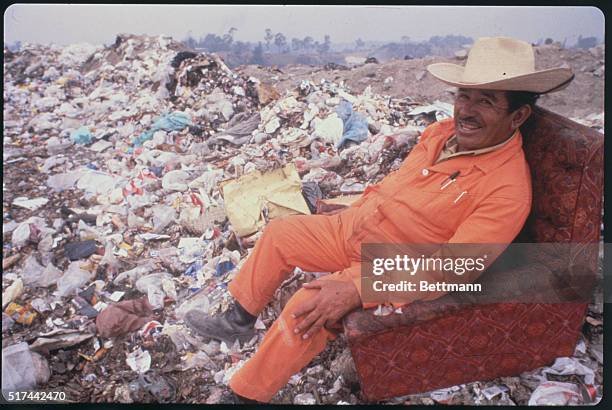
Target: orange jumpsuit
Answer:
[[488, 203]]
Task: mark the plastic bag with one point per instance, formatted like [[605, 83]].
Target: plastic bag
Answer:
[[139, 360], [12, 292], [174, 121], [162, 217], [181, 337], [330, 129], [155, 297], [556, 393], [154, 280], [569, 365], [63, 181], [169, 289], [73, 279], [30, 204], [109, 257], [198, 301], [175, 181], [132, 275], [21, 235], [196, 360], [355, 124], [56, 146], [7, 322], [81, 136], [18, 368], [35, 275], [98, 183]]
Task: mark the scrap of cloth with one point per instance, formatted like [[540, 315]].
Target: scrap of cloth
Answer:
[[124, 317]]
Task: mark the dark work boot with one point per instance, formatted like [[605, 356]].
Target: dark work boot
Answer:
[[234, 323]]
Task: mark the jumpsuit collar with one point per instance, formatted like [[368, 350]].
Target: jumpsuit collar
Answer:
[[485, 162]]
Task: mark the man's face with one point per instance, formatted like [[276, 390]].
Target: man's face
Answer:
[[482, 118]]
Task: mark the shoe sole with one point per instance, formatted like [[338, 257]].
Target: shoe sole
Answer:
[[242, 337]]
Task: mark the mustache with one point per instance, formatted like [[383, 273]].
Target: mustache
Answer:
[[471, 120]]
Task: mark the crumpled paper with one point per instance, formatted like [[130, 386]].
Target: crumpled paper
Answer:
[[279, 192]]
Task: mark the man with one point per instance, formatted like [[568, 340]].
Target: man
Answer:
[[487, 202]]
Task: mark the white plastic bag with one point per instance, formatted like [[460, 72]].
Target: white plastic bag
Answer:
[[175, 181], [35, 275], [73, 279], [198, 301], [555, 394], [18, 368]]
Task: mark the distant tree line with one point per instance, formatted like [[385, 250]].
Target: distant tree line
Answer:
[[586, 42], [582, 42], [277, 47], [272, 43], [436, 45]]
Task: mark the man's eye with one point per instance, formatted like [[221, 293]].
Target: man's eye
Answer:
[[485, 103], [462, 97]]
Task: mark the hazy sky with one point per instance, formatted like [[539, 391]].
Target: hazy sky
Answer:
[[65, 24]]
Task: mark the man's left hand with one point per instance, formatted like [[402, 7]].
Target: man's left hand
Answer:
[[334, 300]]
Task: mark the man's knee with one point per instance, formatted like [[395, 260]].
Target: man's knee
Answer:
[[302, 295]]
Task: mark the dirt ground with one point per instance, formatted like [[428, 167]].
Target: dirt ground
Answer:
[[409, 79]]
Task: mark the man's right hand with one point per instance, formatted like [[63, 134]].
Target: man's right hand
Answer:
[[333, 300]]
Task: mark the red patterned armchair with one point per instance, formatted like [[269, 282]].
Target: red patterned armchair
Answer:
[[445, 342]]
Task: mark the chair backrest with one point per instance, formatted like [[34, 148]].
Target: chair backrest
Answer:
[[566, 163]]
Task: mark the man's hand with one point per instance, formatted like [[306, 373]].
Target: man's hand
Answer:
[[334, 300]]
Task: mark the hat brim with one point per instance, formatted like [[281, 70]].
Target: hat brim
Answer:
[[541, 82]]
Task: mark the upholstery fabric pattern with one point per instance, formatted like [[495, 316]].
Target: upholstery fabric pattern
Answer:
[[442, 342], [474, 343]]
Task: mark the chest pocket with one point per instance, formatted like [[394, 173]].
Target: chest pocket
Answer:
[[426, 214]]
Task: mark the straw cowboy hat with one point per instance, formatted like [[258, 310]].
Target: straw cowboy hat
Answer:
[[499, 63]]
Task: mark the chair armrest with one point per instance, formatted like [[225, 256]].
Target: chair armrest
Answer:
[[363, 323], [547, 274]]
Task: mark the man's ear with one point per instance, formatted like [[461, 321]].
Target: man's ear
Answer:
[[520, 116]]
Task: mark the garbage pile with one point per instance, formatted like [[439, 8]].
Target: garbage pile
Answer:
[[137, 177]]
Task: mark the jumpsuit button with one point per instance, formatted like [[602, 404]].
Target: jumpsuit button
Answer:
[[425, 172]]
